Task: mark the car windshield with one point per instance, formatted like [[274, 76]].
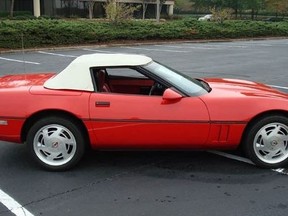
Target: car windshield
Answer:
[[180, 81]]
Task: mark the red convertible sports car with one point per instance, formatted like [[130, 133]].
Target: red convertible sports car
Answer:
[[107, 101]]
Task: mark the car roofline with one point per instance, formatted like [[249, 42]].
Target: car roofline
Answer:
[[77, 75]]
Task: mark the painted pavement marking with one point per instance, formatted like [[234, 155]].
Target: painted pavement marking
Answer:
[[13, 205], [282, 171], [57, 54], [20, 61], [280, 87], [158, 50], [96, 50], [187, 47]]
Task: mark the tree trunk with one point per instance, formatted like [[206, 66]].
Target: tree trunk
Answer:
[[252, 14], [91, 8], [12, 8], [144, 8], [158, 10]]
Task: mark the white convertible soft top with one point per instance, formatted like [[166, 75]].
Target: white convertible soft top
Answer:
[[77, 76]]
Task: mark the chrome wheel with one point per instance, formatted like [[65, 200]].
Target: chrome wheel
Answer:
[[271, 143], [57, 143], [54, 144], [265, 141]]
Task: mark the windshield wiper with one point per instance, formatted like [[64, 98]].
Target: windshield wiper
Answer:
[[205, 85]]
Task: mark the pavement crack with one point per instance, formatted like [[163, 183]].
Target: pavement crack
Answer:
[[92, 184]]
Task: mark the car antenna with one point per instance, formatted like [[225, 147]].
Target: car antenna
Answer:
[[23, 57]]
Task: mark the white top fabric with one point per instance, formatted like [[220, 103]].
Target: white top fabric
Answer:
[[77, 76]]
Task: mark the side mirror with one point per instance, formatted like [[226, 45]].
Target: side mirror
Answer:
[[170, 95]]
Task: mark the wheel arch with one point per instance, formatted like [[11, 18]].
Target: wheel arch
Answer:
[[52, 112], [260, 116]]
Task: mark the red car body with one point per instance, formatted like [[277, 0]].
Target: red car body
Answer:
[[215, 120]]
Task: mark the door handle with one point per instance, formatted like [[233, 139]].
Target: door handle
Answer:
[[102, 104]]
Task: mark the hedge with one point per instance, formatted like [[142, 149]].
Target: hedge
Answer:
[[5, 14], [45, 32]]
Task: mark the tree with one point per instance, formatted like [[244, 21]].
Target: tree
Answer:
[[12, 8], [206, 4], [254, 6], [236, 5], [159, 4], [278, 6], [91, 8], [117, 12], [158, 10], [183, 5], [144, 8], [202, 4], [220, 15]]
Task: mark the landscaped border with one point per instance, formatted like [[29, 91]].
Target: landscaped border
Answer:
[[46, 33]]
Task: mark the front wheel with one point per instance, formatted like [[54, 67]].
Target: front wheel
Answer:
[[56, 143], [266, 142]]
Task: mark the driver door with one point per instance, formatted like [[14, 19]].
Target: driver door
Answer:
[[142, 121]]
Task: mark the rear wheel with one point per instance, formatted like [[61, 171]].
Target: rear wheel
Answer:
[[56, 143], [266, 143]]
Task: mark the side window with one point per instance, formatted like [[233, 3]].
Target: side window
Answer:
[[125, 72], [101, 79], [125, 80]]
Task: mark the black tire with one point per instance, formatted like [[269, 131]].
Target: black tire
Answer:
[[56, 143], [266, 142]]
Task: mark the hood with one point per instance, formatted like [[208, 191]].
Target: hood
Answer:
[[23, 80], [234, 87], [240, 100]]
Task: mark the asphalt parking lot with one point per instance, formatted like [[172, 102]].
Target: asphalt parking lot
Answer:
[[152, 183]]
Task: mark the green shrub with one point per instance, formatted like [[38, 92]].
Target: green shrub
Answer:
[[5, 14], [55, 32]]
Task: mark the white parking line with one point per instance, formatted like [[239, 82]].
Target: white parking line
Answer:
[[280, 87], [20, 61], [109, 52], [245, 160], [250, 44], [225, 46], [95, 50], [13, 205], [187, 47], [234, 157], [281, 170], [158, 50], [57, 54]]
